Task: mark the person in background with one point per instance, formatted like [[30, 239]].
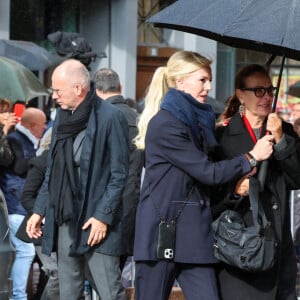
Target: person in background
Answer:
[[23, 142], [34, 179], [179, 177], [5, 106], [295, 112], [249, 120], [6, 158], [7, 117], [295, 208], [81, 194], [108, 88]]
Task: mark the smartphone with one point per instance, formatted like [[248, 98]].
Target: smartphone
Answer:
[[166, 240], [18, 110]]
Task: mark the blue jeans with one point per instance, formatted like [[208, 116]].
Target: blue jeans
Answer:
[[25, 253]]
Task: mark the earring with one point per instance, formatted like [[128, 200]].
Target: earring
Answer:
[[242, 109]]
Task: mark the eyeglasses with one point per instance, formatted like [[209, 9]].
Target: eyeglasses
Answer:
[[57, 91], [261, 91]]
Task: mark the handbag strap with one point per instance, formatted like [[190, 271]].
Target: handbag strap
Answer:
[[257, 208]]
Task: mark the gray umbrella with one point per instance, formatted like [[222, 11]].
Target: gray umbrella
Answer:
[[18, 82], [29, 54], [270, 26]]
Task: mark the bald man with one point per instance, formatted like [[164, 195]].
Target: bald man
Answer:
[[23, 142], [83, 186]]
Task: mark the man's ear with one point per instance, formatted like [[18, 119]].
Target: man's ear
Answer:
[[79, 89]]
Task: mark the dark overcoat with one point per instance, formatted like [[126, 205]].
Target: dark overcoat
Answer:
[[283, 174], [176, 165], [103, 174], [131, 193]]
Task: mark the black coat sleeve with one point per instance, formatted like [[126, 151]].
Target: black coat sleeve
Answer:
[[34, 180], [6, 154]]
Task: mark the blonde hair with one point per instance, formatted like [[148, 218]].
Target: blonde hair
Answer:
[[179, 65]]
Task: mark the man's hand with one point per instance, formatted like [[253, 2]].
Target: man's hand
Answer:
[[33, 227], [97, 233]]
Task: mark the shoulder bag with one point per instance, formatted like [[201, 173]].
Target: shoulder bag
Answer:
[[249, 248]]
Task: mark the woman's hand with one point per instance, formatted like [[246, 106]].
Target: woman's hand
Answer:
[[8, 120], [242, 187], [274, 125], [263, 148]]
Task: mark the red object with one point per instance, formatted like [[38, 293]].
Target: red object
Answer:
[[18, 110]]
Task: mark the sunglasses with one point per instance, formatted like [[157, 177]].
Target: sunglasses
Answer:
[[261, 91]]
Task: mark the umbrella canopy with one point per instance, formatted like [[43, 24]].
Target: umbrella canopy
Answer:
[[17, 82], [29, 54], [294, 89], [270, 26]]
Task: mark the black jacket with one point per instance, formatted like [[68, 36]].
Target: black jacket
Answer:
[[6, 154], [283, 174], [34, 180], [131, 192], [103, 176]]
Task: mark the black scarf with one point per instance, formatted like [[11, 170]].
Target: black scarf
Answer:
[[63, 188], [198, 116]]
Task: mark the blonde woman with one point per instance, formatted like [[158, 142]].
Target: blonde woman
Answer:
[[179, 175]]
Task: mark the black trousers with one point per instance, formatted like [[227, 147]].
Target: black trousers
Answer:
[[154, 280]]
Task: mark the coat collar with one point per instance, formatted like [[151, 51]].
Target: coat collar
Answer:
[[116, 99], [238, 135]]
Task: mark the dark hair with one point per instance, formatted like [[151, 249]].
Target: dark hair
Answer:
[[107, 80], [5, 106], [233, 103]]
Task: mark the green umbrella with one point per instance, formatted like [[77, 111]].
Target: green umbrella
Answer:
[[18, 83]]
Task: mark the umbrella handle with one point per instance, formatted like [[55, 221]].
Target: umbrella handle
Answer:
[[262, 173]]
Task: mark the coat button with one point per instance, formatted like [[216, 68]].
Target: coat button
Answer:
[[202, 202], [275, 206]]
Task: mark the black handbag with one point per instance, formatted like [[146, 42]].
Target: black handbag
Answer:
[[249, 248]]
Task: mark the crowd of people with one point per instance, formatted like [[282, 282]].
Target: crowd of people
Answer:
[[105, 183]]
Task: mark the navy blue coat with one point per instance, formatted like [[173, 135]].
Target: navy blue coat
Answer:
[[174, 163], [103, 174]]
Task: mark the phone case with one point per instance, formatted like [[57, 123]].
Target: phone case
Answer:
[[166, 240]]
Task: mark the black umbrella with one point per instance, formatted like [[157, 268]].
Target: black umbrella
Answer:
[[294, 89], [270, 26], [29, 54]]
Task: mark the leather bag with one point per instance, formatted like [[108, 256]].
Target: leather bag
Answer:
[[249, 248]]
